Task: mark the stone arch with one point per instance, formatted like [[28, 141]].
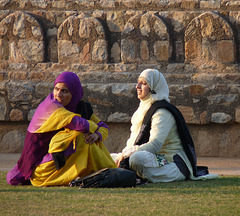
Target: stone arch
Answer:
[[145, 38], [82, 39], [21, 39], [209, 40]]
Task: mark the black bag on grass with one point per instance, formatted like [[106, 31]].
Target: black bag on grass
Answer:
[[106, 178]]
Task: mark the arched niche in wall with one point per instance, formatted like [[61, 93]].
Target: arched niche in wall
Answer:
[[145, 38], [82, 39], [209, 40], [21, 39]]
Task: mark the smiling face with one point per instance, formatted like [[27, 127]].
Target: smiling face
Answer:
[[62, 94], [142, 88]]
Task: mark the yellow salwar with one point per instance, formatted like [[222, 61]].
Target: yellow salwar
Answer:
[[87, 159]]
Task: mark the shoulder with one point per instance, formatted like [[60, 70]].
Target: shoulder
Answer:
[[162, 112], [163, 115], [84, 109]]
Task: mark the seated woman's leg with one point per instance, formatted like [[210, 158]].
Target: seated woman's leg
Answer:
[[145, 165]]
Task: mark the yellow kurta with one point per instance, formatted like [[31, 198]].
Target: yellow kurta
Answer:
[[87, 159]]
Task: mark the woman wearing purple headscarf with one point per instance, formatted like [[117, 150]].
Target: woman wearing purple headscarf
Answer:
[[64, 139]]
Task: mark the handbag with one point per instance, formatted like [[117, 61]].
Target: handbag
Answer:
[[106, 178]]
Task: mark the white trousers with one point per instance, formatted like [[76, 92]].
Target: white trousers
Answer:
[[145, 165]]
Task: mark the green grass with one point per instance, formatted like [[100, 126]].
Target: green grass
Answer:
[[212, 197]]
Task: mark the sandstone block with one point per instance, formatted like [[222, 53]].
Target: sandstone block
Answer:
[[82, 39], [4, 2], [4, 50], [221, 118], [210, 5], [16, 115], [99, 88], [237, 115], [116, 52], [196, 89], [123, 89], [99, 52], [25, 37], [115, 21], [203, 117], [43, 89], [3, 108], [41, 4], [188, 113], [30, 114], [201, 36], [191, 49], [226, 51], [127, 51], [162, 50], [19, 91], [118, 117], [144, 51], [222, 99], [12, 142]]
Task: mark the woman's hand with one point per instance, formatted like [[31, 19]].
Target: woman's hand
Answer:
[[91, 137], [118, 161]]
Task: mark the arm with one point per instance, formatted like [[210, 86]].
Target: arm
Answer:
[[82, 125], [100, 134], [102, 130]]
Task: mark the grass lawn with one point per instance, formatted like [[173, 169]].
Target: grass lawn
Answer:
[[212, 197]]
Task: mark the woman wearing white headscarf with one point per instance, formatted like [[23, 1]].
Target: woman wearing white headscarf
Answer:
[[162, 158]]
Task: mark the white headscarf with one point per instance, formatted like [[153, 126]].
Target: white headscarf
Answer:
[[159, 91]]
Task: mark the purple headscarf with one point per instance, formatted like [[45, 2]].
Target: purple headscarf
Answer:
[[73, 83], [49, 105]]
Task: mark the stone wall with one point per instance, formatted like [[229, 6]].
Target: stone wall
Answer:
[[194, 43]]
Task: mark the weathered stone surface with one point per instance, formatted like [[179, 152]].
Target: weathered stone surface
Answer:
[[221, 118], [119, 117], [16, 115], [4, 2], [210, 5], [40, 3], [43, 89], [4, 50], [109, 46], [209, 40], [226, 51], [99, 52], [23, 39], [100, 88], [115, 52], [82, 39], [128, 51], [144, 51], [145, 32], [3, 108], [237, 115], [30, 114], [115, 21], [162, 50], [12, 141], [19, 91], [222, 99], [125, 90], [188, 113], [196, 89], [26, 51]]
